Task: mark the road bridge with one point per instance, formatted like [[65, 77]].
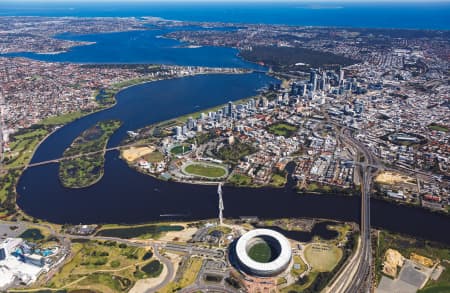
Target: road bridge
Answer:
[[356, 275]]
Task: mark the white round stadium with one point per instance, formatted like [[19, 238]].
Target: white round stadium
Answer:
[[263, 252]]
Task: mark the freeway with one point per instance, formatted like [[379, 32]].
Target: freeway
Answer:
[[356, 275]]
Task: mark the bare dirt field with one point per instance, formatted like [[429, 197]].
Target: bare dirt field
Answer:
[[393, 178], [179, 236], [134, 153]]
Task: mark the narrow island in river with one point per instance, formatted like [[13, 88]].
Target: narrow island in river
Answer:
[[85, 157]]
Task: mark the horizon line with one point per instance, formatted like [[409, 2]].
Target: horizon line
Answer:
[[229, 1]]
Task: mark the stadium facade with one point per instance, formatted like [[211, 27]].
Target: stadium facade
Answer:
[[280, 249]]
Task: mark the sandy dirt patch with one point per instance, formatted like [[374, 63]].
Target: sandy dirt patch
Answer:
[[179, 236], [393, 260], [393, 178], [134, 153]]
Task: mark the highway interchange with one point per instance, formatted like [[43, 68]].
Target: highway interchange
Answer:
[[356, 275]]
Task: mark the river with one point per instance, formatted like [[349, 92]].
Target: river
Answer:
[[126, 196]]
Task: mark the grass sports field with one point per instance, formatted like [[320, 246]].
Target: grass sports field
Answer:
[[180, 149], [282, 129], [261, 252], [205, 170], [322, 257]]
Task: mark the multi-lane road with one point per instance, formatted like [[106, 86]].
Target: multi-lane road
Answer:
[[361, 281], [356, 275]]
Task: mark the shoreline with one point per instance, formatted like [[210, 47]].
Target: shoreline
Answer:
[[199, 181], [140, 83], [99, 109]]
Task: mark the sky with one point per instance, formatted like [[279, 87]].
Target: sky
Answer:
[[224, 1]]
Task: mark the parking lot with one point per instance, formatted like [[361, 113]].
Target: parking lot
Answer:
[[11, 230]]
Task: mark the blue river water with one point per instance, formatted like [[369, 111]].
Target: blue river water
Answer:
[[424, 15], [141, 47], [144, 104], [126, 196]]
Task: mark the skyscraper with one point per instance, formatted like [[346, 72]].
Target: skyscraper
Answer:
[[225, 110], [178, 131], [303, 90], [313, 80], [190, 123], [322, 84], [312, 76], [341, 76]]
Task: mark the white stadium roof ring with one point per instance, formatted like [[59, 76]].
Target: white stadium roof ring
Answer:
[[279, 258]]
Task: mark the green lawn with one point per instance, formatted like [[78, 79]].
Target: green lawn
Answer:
[[82, 171], [8, 183], [441, 288], [441, 285], [100, 263], [154, 157], [316, 187], [62, 119], [180, 149], [282, 129], [86, 170], [205, 170], [113, 282], [278, 180], [240, 180], [323, 257], [438, 127], [298, 261], [106, 97], [312, 187], [22, 146], [235, 152], [261, 252]]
